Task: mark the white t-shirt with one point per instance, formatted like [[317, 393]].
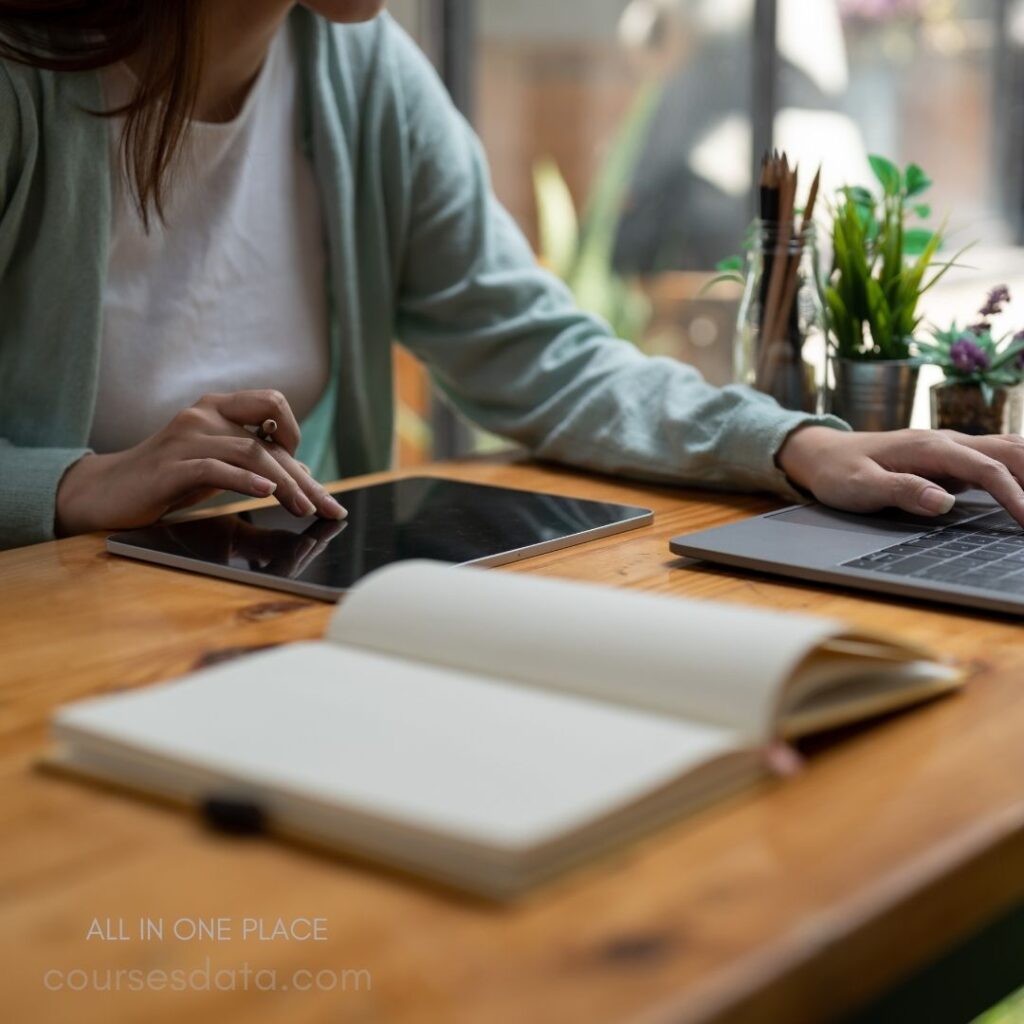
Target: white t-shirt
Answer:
[[230, 293]]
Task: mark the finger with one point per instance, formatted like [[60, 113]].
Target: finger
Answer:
[[326, 530], [250, 453], [915, 494], [195, 474], [947, 457], [1006, 448], [297, 490], [312, 498], [248, 407], [327, 506], [871, 488]]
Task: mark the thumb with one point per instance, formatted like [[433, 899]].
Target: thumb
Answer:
[[916, 495]]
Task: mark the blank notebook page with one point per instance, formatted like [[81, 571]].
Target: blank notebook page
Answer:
[[497, 764]]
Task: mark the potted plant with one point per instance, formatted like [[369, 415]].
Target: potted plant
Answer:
[[879, 272], [982, 391]]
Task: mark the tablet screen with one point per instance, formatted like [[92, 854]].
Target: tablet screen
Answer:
[[419, 517]]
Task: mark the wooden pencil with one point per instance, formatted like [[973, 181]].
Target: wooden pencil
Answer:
[[792, 274]]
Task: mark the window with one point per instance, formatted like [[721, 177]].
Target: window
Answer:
[[623, 135]]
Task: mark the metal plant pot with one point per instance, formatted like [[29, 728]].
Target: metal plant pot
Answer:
[[874, 394]]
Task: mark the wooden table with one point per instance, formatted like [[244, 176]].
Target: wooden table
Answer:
[[787, 904]]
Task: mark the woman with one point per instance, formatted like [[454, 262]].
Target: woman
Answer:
[[247, 200]]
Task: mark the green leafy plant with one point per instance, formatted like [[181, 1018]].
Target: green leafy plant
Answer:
[[881, 265], [973, 355], [731, 268], [1009, 1011]]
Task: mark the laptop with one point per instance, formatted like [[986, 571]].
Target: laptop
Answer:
[[971, 557], [417, 517]]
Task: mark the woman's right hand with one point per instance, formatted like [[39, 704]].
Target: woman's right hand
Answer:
[[204, 449]]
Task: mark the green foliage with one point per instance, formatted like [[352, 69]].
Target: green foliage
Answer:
[[881, 267], [556, 218], [730, 269], [974, 355], [916, 181], [580, 251], [1009, 1011], [998, 356], [916, 240], [887, 173]]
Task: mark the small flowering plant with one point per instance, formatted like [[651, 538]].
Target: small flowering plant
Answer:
[[974, 355]]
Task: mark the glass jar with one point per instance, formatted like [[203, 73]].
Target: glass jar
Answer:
[[780, 338], [962, 407]]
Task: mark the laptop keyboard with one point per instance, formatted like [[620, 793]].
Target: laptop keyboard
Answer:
[[987, 553]]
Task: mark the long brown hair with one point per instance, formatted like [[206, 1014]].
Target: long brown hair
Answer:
[[85, 35]]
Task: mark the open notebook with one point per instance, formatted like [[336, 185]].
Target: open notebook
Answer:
[[488, 729]]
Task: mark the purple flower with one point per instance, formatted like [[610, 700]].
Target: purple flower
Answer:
[[967, 355], [997, 298]]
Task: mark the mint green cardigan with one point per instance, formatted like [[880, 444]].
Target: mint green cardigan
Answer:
[[418, 250]]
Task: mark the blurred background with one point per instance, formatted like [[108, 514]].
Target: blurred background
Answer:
[[623, 136]]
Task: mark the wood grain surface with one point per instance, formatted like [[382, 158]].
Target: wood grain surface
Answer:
[[783, 905]]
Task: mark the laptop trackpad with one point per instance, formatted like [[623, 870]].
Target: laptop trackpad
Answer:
[[968, 505]]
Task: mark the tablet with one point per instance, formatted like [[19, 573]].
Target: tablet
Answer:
[[418, 517]]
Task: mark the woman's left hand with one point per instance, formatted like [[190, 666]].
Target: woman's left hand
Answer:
[[905, 469]]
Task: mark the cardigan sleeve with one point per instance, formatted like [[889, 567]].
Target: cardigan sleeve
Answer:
[[507, 345], [29, 476]]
